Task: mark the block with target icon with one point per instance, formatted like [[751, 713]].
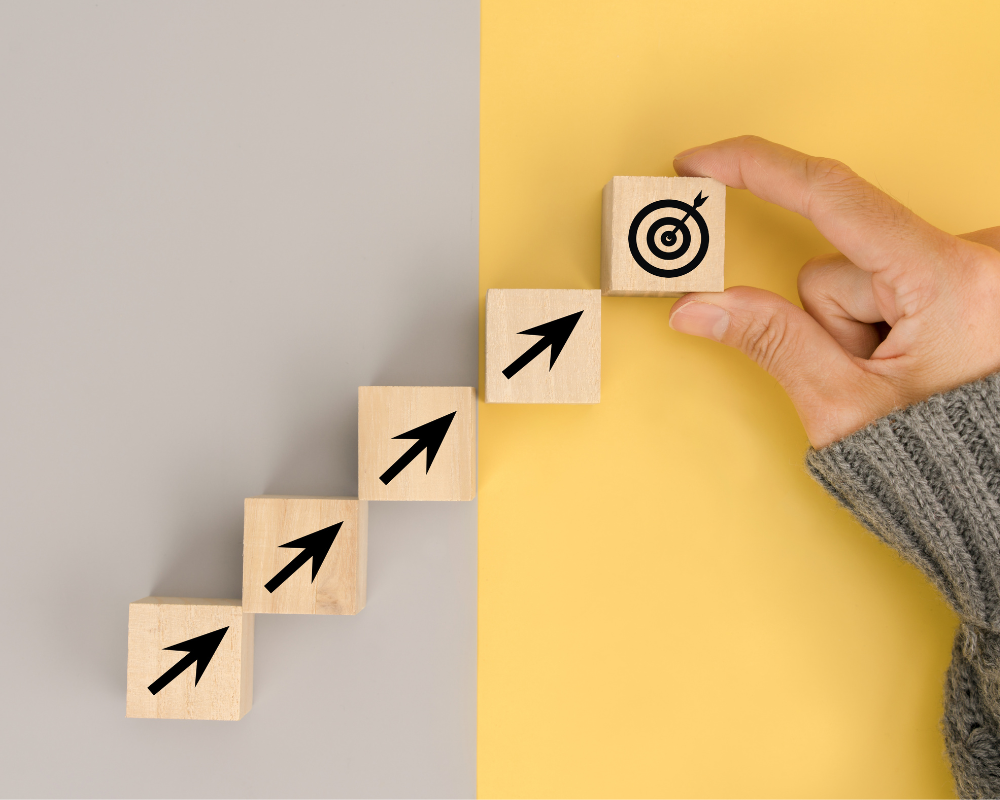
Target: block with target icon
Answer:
[[189, 658], [663, 237], [416, 443], [543, 346], [305, 555]]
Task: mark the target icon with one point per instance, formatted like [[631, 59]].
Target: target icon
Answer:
[[660, 235]]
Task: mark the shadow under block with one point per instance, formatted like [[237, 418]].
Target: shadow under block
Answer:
[[525, 328], [654, 228], [304, 555], [402, 428], [197, 654]]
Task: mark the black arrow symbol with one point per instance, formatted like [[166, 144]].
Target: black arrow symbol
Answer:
[[428, 436], [200, 649], [554, 333], [314, 546], [699, 201]]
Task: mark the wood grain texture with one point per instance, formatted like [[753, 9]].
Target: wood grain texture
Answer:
[[576, 375], [340, 584], [225, 690], [387, 411], [622, 199]]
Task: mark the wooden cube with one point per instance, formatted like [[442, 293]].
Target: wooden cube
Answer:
[[416, 443], [543, 346], [305, 555], [663, 236], [189, 659]]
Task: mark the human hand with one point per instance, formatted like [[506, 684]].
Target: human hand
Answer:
[[938, 294]]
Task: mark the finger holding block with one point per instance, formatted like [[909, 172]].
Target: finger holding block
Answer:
[[543, 346], [663, 237], [416, 443], [189, 659], [305, 555]]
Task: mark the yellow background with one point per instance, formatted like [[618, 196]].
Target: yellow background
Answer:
[[668, 604]]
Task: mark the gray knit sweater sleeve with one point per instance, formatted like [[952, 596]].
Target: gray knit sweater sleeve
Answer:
[[926, 481]]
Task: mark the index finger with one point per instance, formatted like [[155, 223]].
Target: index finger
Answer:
[[872, 229]]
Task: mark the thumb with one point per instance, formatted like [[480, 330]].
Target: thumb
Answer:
[[826, 384]]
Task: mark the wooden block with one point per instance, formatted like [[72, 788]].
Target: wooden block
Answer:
[[189, 659], [416, 443], [543, 346], [663, 236], [304, 555]]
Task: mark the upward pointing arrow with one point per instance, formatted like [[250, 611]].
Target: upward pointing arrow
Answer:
[[554, 334], [200, 649], [429, 436], [314, 546]]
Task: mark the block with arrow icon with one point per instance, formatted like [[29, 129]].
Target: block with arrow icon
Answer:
[[305, 555], [416, 443], [543, 346], [189, 659], [663, 237]]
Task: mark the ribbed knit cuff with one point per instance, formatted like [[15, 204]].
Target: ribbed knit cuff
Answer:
[[926, 480]]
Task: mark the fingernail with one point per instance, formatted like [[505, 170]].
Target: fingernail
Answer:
[[700, 319], [690, 151]]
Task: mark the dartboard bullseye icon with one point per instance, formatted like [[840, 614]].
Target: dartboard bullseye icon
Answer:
[[669, 238]]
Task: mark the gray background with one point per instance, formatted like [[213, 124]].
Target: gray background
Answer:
[[216, 222]]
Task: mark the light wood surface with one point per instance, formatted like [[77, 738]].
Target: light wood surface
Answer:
[[388, 411], [622, 199], [340, 584], [225, 690], [576, 375]]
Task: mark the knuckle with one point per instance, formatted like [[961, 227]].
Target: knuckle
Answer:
[[811, 276], [832, 183], [816, 279], [748, 141], [764, 339], [828, 170]]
